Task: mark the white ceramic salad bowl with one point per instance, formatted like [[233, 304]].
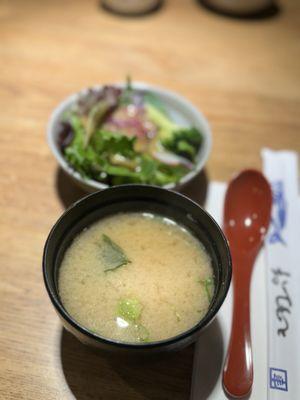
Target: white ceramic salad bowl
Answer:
[[180, 110]]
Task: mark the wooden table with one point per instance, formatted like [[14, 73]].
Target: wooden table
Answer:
[[244, 75]]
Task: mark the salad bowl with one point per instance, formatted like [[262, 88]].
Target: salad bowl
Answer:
[[179, 110]]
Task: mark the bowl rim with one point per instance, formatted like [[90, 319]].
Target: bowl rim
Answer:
[[215, 304], [141, 86]]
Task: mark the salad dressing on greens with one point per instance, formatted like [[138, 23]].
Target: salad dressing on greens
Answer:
[[117, 136], [136, 277]]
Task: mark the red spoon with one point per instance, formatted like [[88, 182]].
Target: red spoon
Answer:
[[246, 219]]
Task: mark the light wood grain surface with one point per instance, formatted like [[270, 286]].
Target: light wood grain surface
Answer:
[[244, 75]]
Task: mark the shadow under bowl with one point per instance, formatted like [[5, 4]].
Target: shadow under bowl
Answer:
[[137, 198]]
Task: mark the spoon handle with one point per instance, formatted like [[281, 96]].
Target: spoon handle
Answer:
[[238, 370]]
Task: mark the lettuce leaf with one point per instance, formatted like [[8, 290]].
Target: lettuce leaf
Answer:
[[96, 160]]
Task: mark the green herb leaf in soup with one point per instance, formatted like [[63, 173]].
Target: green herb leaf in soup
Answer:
[[112, 255]]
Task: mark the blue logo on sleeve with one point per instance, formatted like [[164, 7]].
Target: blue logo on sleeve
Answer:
[[278, 379], [279, 214]]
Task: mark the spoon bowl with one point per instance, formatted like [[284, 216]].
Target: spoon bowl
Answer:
[[247, 213]]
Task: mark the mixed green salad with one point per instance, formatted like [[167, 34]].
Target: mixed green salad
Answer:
[[117, 136]]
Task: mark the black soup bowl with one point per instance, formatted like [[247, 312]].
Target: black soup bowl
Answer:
[[129, 198]]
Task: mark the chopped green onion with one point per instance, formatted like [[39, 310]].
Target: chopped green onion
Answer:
[[208, 284], [129, 309]]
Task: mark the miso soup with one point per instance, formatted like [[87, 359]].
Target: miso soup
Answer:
[[136, 277]]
